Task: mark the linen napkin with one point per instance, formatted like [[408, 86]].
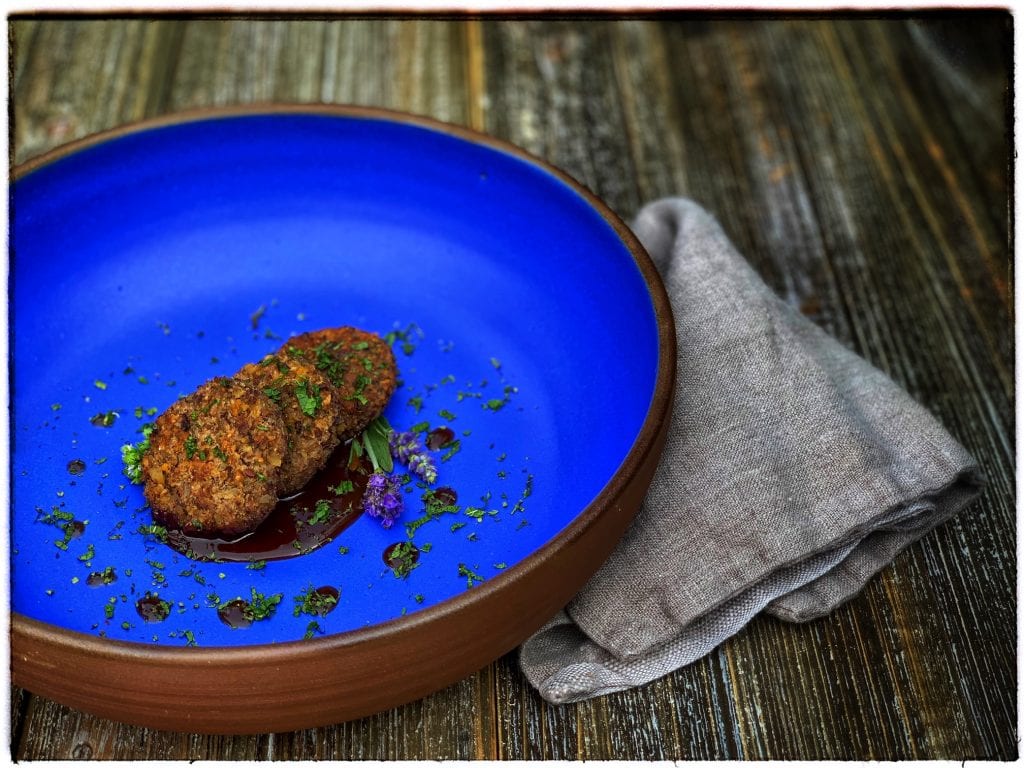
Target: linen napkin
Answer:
[[793, 472]]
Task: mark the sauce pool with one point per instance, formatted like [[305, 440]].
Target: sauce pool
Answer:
[[291, 529]]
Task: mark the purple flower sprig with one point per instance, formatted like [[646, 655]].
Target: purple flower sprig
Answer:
[[407, 448], [382, 498]]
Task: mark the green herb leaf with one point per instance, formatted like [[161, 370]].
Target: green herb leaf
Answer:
[[382, 426], [261, 606], [308, 396], [378, 450]]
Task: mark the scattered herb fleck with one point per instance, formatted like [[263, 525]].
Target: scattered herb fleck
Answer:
[[261, 606], [402, 558], [316, 601], [255, 317], [106, 419], [309, 397], [343, 487], [131, 455], [472, 577], [454, 447]]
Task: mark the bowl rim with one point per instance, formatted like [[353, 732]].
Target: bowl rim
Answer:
[[32, 639]]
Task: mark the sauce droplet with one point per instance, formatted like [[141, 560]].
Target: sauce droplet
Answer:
[[101, 578], [152, 609], [323, 600], [445, 496], [439, 437], [402, 557], [235, 613]]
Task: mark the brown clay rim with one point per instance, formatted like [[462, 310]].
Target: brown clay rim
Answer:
[[628, 484]]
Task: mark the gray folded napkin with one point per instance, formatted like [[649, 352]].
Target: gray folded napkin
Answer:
[[793, 472]]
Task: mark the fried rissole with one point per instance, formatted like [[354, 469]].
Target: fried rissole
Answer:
[[359, 364], [213, 466], [310, 408]]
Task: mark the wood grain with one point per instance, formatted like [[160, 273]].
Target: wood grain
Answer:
[[863, 166]]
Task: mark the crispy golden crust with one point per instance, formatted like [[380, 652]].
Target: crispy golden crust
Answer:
[[310, 409], [359, 364], [213, 465]]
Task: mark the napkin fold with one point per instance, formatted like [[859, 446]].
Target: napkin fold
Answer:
[[793, 472]]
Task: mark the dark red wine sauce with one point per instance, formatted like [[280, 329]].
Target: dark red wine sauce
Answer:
[[296, 526], [439, 437]]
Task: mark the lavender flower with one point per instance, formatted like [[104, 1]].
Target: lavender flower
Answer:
[[406, 447], [382, 499]]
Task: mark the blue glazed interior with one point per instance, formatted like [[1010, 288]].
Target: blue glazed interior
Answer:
[[137, 265]]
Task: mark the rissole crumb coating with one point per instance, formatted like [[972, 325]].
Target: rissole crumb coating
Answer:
[[359, 364], [213, 465], [310, 409]]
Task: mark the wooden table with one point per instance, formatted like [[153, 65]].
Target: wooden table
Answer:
[[863, 166]]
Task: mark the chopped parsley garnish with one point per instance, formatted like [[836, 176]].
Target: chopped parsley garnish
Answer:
[[343, 487], [191, 446], [314, 602], [478, 514], [261, 606], [131, 456], [321, 512], [403, 558], [407, 346], [308, 396], [158, 532], [472, 577], [434, 507], [328, 362], [360, 385], [255, 317], [454, 447], [104, 419]]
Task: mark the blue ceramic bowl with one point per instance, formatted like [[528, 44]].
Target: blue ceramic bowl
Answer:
[[524, 315]]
